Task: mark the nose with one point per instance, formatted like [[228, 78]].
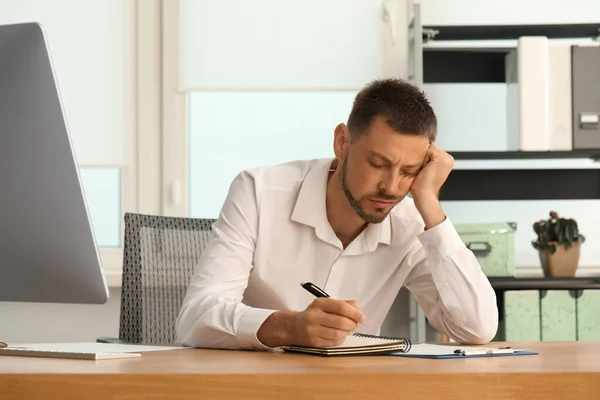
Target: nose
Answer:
[[389, 184]]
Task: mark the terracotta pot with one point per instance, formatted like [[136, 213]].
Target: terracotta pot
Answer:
[[563, 262]]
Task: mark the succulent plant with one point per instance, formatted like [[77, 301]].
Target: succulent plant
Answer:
[[556, 231]]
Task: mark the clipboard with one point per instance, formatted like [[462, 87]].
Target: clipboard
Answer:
[[449, 351]]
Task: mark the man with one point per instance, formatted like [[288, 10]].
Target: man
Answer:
[[347, 226]]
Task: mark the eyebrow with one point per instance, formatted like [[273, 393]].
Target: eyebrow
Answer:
[[405, 167]]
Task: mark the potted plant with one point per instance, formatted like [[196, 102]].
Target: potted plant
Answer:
[[558, 243]]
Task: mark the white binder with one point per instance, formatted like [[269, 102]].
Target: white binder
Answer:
[[527, 101]]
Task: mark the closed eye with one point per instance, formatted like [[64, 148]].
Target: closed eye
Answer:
[[375, 165], [414, 173]]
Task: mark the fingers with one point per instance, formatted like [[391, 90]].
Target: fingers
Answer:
[[348, 309], [331, 335], [335, 321], [327, 322], [442, 156]]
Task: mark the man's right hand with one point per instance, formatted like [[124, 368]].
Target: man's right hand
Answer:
[[325, 322]]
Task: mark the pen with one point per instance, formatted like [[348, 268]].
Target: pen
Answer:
[[314, 289], [317, 291]]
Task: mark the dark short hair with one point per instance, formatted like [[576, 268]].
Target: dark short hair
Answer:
[[405, 107]]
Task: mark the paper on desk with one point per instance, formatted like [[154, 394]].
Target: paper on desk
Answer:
[[426, 349], [93, 347]]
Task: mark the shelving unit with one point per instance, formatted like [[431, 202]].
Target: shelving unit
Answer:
[[484, 64], [504, 32], [525, 155], [436, 60], [575, 283]]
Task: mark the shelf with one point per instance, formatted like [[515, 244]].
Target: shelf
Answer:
[[511, 32], [485, 64], [575, 283], [522, 184], [523, 155], [450, 66]]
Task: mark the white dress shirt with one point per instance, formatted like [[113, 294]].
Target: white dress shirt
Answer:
[[273, 233]]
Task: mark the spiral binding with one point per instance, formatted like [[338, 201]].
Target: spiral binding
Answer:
[[407, 343]]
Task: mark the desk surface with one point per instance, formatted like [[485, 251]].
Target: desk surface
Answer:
[[562, 370]]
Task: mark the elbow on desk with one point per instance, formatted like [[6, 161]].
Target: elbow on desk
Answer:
[[193, 330], [198, 335], [188, 328], [480, 330], [480, 336]]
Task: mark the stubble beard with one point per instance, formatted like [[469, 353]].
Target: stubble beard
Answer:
[[356, 204]]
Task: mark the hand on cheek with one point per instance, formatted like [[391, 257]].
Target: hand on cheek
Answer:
[[426, 186]]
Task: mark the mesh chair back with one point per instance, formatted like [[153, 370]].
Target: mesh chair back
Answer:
[[160, 256]]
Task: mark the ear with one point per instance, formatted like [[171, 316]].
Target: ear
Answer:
[[341, 140]]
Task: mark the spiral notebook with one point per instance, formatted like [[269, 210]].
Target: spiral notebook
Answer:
[[357, 344]]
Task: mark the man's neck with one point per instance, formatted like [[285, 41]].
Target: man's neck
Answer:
[[346, 224]]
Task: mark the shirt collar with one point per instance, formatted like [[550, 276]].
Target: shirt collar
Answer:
[[310, 209]]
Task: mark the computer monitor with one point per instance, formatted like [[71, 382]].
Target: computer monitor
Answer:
[[48, 251]]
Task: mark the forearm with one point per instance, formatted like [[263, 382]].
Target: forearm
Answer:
[[430, 209], [466, 308], [459, 298], [220, 322], [277, 330]]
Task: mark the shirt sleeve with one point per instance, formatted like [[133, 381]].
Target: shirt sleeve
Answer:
[[449, 285], [212, 314]]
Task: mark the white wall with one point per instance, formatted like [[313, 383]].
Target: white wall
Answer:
[[492, 12]]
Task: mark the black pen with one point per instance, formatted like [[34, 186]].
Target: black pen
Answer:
[[314, 289], [317, 291]]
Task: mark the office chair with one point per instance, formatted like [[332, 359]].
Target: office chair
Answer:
[[160, 256]]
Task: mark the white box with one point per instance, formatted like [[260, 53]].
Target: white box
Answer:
[[527, 95], [560, 96]]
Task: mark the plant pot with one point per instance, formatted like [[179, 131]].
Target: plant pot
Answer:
[[563, 263]]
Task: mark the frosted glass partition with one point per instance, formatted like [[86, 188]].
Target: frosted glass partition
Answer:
[[282, 44], [92, 49], [102, 188], [233, 131]]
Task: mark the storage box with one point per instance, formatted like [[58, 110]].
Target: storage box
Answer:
[[559, 316], [588, 316], [493, 244], [522, 320]]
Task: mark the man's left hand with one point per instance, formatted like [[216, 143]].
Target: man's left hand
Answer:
[[426, 186]]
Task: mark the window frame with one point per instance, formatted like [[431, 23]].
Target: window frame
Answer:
[[141, 175], [175, 150]]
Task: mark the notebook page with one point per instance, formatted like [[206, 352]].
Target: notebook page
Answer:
[[360, 341]]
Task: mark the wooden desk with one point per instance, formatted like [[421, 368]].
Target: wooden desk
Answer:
[[561, 371]]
